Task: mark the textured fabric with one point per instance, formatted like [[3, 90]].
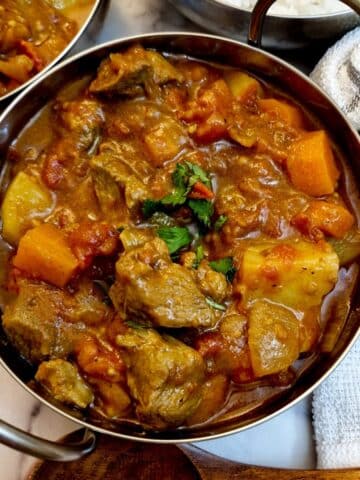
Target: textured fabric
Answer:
[[336, 403], [336, 415], [338, 73]]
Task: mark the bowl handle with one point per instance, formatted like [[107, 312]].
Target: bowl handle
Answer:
[[45, 449], [259, 13]]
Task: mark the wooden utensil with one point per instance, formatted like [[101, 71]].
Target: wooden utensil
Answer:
[[115, 459]]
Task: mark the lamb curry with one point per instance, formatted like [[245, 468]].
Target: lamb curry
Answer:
[[33, 33], [175, 232]]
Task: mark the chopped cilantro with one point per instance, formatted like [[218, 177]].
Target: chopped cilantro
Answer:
[[175, 198], [215, 305], [175, 237], [203, 210], [199, 256], [220, 222], [179, 175], [225, 266], [184, 178], [104, 289], [197, 174], [136, 325], [150, 206]]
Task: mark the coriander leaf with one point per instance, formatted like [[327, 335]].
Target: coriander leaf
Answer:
[[199, 256], [175, 237], [174, 199], [104, 288], [179, 176], [203, 210], [136, 325], [220, 222], [178, 196], [215, 305], [197, 174], [225, 266], [150, 206], [184, 178]]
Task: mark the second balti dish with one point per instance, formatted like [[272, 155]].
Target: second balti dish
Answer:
[[33, 34]]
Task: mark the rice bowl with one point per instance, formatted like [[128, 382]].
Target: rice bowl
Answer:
[[291, 8], [281, 31]]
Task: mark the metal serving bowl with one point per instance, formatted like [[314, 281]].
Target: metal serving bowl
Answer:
[[281, 32], [270, 69], [89, 19]]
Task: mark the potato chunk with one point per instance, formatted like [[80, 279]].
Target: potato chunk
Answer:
[[25, 200], [17, 68], [242, 85], [273, 338], [164, 141], [297, 274]]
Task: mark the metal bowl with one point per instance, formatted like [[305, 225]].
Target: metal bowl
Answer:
[[90, 17], [280, 32], [270, 69]]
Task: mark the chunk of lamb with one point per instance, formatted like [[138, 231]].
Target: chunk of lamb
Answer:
[[122, 159], [226, 350], [87, 305], [126, 73], [63, 381], [45, 322], [164, 377], [82, 119], [150, 286], [33, 322], [120, 166], [212, 284]]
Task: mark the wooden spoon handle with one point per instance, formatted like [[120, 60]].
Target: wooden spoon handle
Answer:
[[116, 459], [211, 467]]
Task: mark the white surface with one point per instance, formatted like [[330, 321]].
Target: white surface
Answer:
[[285, 441]]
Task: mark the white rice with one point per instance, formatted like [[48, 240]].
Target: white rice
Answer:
[[293, 7]]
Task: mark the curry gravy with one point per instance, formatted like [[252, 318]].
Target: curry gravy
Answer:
[[124, 162]]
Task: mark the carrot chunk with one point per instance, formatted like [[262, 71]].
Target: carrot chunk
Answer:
[[44, 253], [201, 191], [330, 218], [281, 110], [311, 164]]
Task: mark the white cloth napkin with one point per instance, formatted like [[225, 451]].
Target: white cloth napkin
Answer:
[[338, 73], [336, 403], [336, 415]]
